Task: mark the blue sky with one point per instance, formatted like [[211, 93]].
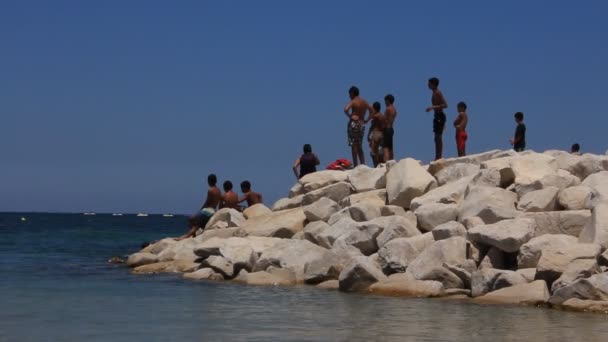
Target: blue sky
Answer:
[[126, 106]]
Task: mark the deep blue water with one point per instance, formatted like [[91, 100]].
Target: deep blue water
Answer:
[[56, 285]]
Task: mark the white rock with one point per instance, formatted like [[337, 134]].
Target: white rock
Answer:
[[456, 172], [405, 285], [364, 178], [321, 270], [599, 183], [434, 214], [450, 251], [139, 259], [321, 210], [359, 274], [377, 197], [577, 269], [321, 179], [281, 224], [574, 198], [489, 204], [406, 181], [364, 211], [534, 293], [448, 230], [553, 263], [539, 200], [482, 281], [313, 229], [396, 255], [273, 276], [506, 235], [596, 230], [219, 265], [296, 189], [363, 237], [336, 192], [393, 210], [288, 203], [395, 227], [229, 216], [445, 277], [530, 252], [472, 221], [592, 288], [223, 233], [447, 194], [327, 237], [203, 274], [256, 210], [569, 222]]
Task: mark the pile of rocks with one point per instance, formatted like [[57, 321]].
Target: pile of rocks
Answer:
[[498, 227]]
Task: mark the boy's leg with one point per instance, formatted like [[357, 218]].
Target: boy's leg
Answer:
[[354, 154], [360, 153], [438, 146]]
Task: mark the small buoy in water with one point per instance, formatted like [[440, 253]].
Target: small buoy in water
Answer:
[[23, 219], [116, 260]]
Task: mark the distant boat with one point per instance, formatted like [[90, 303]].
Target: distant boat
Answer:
[[142, 215], [167, 215], [89, 213], [116, 214]]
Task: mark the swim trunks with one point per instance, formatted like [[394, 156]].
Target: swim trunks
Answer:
[[355, 132], [201, 218], [439, 122], [388, 137], [461, 139]]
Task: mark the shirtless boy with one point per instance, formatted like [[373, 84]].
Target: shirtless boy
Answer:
[[375, 134], [461, 129], [355, 111], [389, 115], [250, 196], [230, 199], [200, 219], [438, 105]]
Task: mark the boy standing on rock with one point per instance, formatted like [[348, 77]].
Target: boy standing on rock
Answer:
[[250, 196], [519, 140], [390, 115], [438, 105], [230, 199], [355, 111], [200, 219], [376, 134], [461, 129]]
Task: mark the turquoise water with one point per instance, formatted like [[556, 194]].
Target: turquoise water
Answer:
[[56, 285]]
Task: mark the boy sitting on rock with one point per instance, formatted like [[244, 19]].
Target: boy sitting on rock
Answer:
[[250, 196]]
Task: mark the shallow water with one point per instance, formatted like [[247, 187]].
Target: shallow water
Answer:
[[55, 285]]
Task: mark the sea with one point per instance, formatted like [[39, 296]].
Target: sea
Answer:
[[56, 284]]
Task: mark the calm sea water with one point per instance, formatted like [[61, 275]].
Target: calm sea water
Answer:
[[56, 285]]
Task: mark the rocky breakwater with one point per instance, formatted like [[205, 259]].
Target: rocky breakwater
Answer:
[[496, 227]]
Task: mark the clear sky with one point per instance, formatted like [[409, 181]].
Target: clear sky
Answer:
[[126, 106]]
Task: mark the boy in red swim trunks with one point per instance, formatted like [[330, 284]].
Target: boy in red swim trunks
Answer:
[[461, 129]]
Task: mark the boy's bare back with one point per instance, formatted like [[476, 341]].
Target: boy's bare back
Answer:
[[231, 200]]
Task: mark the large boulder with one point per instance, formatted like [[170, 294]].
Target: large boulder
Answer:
[[482, 281], [395, 227], [321, 270], [527, 168], [327, 237], [553, 263], [452, 193], [576, 304], [592, 288], [539, 200], [321, 179], [569, 222], [561, 180], [596, 230], [599, 183], [377, 197], [291, 254], [364, 211], [203, 274], [231, 217], [281, 224], [406, 181], [574, 198], [359, 274], [216, 246], [223, 233], [335, 192], [436, 166], [313, 229], [449, 230], [577, 269], [449, 251], [489, 204], [364, 178], [273, 276], [396, 255], [363, 237], [506, 235], [434, 214], [219, 265], [534, 293], [288, 203], [405, 285], [530, 252], [445, 277], [256, 210], [455, 172], [139, 259], [321, 210]]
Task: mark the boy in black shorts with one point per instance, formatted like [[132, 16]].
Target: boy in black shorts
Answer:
[[438, 105], [519, 140]]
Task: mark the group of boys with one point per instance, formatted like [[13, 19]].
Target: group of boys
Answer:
[[215, 199], [381, 132]]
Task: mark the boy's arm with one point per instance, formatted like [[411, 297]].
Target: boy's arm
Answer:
[[370, 110], [243, 198], [347, 108], [295, 168], [458, 120]]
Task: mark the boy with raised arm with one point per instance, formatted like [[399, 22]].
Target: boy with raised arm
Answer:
[[355, 111], [250, 196], [376, 135]]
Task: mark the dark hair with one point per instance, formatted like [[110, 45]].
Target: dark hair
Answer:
[[307, 148], [377, 106], [519, 116], [389, 98], [212, 179], [245, 186], [434, 81], [227, 185], [354, 91], [462, 105], [576, 147]]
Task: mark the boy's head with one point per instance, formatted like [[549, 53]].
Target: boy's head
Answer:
[[245, 186], [433, 83], [389, 99], [353, 92], [462, 106], [575, 148], [519, 117], [212, 180], [376, 106], [307, 148], [227, 186]]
